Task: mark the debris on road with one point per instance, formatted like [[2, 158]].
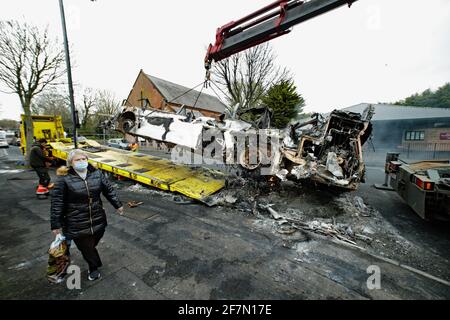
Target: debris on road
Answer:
[[182, 200], [353, 205], [273, 213], [344, 224], [134, 204], [138, 188], [320, 228]]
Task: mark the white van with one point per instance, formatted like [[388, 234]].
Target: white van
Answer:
[[3, 141], [10, 137]]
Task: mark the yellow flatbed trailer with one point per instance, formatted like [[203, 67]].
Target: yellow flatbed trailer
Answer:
[[152, 171]]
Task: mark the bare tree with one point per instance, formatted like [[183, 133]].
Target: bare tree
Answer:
[[107, 103], [29, 62], [246, 76], [105, 107], [90, 102], [53, 103]]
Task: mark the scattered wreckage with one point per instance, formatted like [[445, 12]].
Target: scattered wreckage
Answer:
[[326, 149], [340, 232]]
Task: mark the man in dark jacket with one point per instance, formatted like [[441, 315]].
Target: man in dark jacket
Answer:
[[77, 209], [38, 161]]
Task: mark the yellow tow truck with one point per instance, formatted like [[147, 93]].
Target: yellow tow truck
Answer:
[[195, 183], [44, 127]]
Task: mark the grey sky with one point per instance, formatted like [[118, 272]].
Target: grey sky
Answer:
[[379, 50]]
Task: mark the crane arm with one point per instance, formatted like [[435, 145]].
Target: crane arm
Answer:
[[266, 24]]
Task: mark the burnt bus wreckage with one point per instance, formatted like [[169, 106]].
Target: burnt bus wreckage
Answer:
[[329, 150], [326, 149]]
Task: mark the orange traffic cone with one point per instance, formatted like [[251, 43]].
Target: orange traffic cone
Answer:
[[42, 191]]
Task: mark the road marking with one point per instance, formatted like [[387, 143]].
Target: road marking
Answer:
[[387, 260], [396, 263], [11, 171]]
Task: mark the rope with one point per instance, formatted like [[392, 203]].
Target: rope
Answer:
[[218, 88], [186, 92], [218, 97], [199, 94], [205, 84]]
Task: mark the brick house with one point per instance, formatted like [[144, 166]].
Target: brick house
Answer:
[[150, 91]]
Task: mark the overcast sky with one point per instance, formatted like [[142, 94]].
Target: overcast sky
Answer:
[[376, 51]]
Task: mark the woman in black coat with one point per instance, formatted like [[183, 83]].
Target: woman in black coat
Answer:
[[77, 209]]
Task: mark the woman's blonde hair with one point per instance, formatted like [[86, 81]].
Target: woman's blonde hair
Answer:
[[72, 154]]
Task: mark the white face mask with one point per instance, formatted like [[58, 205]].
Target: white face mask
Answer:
[[80, 165]]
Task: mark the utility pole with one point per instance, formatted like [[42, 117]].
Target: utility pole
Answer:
[[69, 74]]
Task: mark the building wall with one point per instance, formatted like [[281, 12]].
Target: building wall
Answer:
[[143, 88], [388, 134], [434, 139], [392, 133], [437, 135]]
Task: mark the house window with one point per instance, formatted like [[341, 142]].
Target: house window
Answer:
[[415, 136]]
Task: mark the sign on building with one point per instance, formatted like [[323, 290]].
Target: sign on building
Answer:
[[445, 136]]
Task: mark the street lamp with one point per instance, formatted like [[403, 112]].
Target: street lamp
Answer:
[[69, 74]]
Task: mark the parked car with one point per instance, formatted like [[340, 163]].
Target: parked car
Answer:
[[81, 139], [3, 140], [119, 144], [11, 137]]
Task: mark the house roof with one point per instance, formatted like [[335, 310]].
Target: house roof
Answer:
[[171, 90], [394, 112]]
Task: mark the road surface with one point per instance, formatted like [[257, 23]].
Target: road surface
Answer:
[[166, 250]]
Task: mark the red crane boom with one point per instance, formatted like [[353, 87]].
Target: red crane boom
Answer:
[[266, 24]]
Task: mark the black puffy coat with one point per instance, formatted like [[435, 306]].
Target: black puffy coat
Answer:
[[37, 156], [76, 206]]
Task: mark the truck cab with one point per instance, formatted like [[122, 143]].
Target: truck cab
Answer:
[[46, 127]]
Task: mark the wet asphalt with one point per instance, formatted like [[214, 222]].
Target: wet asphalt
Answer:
[[166, 250]]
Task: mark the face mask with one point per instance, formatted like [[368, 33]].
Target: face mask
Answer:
[[80, 165]]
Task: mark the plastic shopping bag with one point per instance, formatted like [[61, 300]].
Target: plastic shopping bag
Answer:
[[58, 259]]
